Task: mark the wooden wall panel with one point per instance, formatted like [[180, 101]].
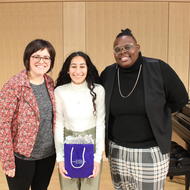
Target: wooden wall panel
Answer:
[[148, 21], [92, 27], [21, 23], [179, 39], [13, 1], [74, 27]]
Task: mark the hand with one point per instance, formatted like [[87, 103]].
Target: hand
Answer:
[[96, 170], [62, 170], [10, 173]]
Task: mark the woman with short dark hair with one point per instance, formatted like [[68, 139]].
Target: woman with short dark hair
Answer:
[[27, 110]]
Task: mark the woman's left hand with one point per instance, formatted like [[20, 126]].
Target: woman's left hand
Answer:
[[10, 173], [96, 170]]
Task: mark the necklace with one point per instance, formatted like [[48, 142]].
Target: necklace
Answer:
[[123, 96]]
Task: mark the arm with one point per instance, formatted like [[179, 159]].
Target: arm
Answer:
[[100, 124], [59, 133], [100, 130], [176, 94], [9, 97], [59, 127]]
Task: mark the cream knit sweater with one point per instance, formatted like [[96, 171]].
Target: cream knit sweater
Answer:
[[74, 111]]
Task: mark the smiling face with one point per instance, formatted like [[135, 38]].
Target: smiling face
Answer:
[[126, 51], [78, 70], [39, 63]]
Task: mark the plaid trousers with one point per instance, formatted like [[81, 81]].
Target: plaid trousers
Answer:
[[138, 169]]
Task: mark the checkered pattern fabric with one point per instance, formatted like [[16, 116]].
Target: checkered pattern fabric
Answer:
[[138, 169]]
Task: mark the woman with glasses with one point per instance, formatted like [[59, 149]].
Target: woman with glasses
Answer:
[[141, 94], [27, 108], [79, 111]]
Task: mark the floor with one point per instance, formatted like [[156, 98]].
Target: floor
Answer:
[[106, 183]]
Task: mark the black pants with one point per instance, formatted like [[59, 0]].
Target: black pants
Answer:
[[35, 174]]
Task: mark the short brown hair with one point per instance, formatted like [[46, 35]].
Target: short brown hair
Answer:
[[35, 45]]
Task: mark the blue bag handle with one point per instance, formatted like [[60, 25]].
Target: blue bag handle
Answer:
[[83, 159]]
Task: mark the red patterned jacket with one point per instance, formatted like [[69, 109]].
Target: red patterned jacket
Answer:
[[19, 118]]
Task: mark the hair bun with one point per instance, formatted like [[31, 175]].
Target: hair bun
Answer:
[[126, 32]]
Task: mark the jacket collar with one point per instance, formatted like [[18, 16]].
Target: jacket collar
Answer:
[[24, 81], [28, 94]]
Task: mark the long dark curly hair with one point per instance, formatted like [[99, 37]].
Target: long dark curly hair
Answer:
[[91, 78]]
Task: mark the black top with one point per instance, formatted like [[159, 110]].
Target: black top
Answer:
[[130, 126], [164, 93]]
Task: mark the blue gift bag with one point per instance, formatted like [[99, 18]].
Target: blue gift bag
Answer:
[[79, 160]]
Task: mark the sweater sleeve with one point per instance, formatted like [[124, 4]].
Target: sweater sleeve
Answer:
[[176, 94], [100, 123], [59, 126]]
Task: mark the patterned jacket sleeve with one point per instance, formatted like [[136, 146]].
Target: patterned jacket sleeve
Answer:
[[8, 104]]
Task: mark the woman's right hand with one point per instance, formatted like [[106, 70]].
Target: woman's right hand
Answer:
[[10, 173], [62, 170]]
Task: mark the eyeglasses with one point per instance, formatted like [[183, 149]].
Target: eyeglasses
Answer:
[[127, 47], [38, 59]]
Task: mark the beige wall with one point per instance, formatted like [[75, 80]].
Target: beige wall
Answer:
[[161, 28], [23, 22]]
